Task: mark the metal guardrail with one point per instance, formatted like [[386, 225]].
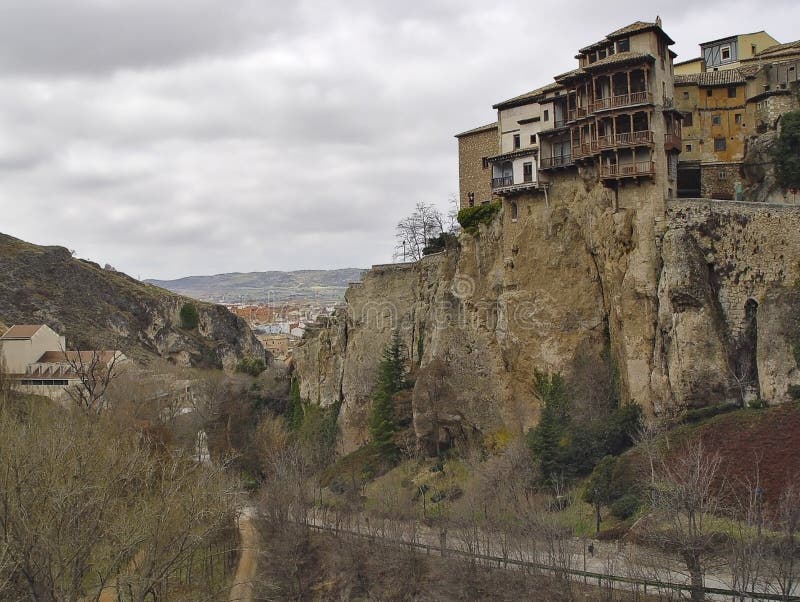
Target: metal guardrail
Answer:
[[585, 575]]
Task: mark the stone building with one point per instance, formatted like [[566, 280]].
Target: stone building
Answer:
[[611, 119], [36, 360], [732, 94], [475, 146]]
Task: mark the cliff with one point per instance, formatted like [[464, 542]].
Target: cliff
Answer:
[[99, 308], [682, 307]]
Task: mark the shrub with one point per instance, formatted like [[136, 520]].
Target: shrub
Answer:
[[471, 217], [626, 506], [251, 365], [787, 151], [698, 414], [189, 316], [437, 244]]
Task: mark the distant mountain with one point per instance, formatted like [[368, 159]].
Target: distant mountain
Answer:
[[325, 286]]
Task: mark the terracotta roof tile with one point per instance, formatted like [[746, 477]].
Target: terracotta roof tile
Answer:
[[529, 95], [725, 77], [620, 57], [779, 49]]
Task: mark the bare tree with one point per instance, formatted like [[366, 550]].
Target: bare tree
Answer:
[[784, 570], [94, 370], [687, 496], [436, 391], [414, 231]]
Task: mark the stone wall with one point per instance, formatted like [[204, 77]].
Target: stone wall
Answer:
[[717, 180], [474, 175], [770, 108]]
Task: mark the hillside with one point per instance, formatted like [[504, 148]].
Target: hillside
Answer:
[[95, 307], [322, 285]]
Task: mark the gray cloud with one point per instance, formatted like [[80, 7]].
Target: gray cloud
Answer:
[[175, 138]]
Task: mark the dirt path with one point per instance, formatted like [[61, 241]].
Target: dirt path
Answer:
[[242, 588]]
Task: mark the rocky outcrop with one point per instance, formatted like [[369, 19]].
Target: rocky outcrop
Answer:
[[102, 308], [664, 308], [758, 169]]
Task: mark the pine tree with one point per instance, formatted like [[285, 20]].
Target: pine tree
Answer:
[[391, 379]]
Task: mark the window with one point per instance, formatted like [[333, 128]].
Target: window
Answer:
[[516, 141], [709, 92], [753, 48], [716, 120], [533, 138], [601, 54], [686, 94], [485, 162], [623, 45], [738, 118], [725, 53], [721, 175], [687, 120], [546, 115], [719, 144], [688, 148], [732, 92], [527, 172]]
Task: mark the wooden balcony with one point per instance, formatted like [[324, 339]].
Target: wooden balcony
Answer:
[[556, 162], [627, 170], [579, 113], [672, 142], [643, 138], [622, 100], [502, 181]]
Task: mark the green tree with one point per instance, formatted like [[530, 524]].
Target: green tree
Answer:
[[787, 151], [548, 440], [189, 316], [600, 488], [391, 379]]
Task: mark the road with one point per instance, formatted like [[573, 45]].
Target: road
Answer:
[[243, 589], [609, 562]]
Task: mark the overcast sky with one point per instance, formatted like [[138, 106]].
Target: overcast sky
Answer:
[[180, 137]]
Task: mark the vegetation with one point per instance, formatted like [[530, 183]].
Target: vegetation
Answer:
[[190, 318], [391, 380], [564, 447], [471, 217], [251, 365], [786, 152], [442, 242], [85, 494]]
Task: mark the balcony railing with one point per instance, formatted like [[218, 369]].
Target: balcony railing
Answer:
[[579, 113], [625, 139], [622, 100], [672, 141], [556, 161], [502, 181], [628, 170]]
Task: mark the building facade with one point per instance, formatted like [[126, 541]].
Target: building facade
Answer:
[[611, 119], [736, 93], [474, 148]]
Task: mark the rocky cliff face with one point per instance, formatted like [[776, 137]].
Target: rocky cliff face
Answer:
[[96, 308], [668, 308]]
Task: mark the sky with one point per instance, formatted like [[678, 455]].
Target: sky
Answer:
[[205, 136]]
